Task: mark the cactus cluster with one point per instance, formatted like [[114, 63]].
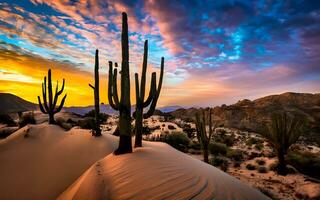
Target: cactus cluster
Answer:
[[50, 106], [203, 135], [97, 130], [152, 99], [124, 104]]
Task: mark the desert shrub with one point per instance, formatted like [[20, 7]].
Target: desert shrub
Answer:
[[63, 124], [146, 130], [6, 119], [195, 145], [250, 166], [177, 140], [253, 140], [216, 148], [260, 162], [189, 131], [102, 116], [262, 169], [220, 162], [221, 137], [236, 164], [87, 123], [235, 154], [258, 146], [305, 162], [27, 118], [171, 127]]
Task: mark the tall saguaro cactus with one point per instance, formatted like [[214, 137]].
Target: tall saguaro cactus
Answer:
[[140, 95], [49, 106], [97, 130], [124, 105], [202, 133]]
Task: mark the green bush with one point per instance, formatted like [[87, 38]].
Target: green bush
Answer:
[[259, 146], [177, 140], [217, 148], [194, 145], [250, 166], [235, 154], [305, 162], [219, 161], [262, 169], [27, 118]]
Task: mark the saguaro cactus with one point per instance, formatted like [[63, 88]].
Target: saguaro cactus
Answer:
[[124, 105], [50, 107], [97, 130], [202, 134], [140, 95]]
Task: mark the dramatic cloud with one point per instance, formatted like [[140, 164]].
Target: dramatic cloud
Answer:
[[216, 51]]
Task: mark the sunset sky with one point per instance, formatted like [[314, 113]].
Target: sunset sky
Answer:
[[215, 51]]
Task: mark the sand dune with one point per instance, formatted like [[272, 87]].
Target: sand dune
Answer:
[[156, 171], [47, 161]]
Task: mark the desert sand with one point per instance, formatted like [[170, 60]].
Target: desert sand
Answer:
[[45, 162]]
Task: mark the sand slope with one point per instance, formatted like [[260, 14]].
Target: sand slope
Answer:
[[156, 171], [45, 163]]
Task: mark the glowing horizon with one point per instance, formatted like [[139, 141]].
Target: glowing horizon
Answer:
[[215, 53]]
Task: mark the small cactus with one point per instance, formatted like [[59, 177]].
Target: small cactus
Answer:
[[202, 134], [49, 106], [97, 131]]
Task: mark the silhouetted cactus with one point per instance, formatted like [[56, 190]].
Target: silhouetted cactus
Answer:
[[203, 135], [97, 130], [140, 95], [124, 105], [49, 107], [284, 131]]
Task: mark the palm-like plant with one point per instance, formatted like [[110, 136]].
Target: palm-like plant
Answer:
[[283, 131]]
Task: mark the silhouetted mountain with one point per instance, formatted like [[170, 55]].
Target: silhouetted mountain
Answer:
[[10, 103], [105, 108]]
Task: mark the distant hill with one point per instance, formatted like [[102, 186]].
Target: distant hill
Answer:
[[105, 108], [10, 103], [250, 115]]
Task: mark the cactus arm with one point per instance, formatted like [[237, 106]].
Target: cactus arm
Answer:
[[91, 86], [115, 87], [61, 104], [156, 96], [62, 88], [152, 91], [210, 124], [50, 91], [56, 95], [136, 76], [110, 86], [44, 94], [144, 70], [41, 107]]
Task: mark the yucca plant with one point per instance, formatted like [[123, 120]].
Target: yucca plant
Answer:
[[283, 131], [203, 135]]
